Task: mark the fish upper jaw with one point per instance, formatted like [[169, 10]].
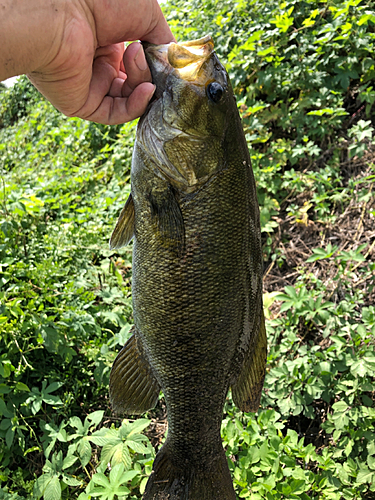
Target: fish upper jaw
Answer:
[[184, 58]]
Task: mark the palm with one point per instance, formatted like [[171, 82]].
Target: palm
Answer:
[[94, 77]]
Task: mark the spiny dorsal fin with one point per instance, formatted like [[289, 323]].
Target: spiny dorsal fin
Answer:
[[124, 230], [133, 389], [247, 390]]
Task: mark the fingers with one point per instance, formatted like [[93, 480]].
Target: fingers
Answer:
[[119, 20], [114, 96], [160, 32], [116, 110], [136, 68]]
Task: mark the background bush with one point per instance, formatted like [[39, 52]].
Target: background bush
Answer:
[[304, 74]]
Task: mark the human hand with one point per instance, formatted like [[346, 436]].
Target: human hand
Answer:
[[91, 75]]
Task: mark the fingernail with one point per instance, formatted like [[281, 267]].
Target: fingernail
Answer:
[[152, 93], [140, 59]]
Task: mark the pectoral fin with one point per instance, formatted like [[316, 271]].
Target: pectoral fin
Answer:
[[247, 390], [133, 389], [167, 213], [124, 230]]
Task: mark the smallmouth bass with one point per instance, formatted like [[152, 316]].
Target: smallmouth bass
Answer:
[[197, 271]]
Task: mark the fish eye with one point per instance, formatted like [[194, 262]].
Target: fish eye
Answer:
[[214, 91]]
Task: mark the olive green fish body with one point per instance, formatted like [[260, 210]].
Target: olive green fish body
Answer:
[[197, 297]]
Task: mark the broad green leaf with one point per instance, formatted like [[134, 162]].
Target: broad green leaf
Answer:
[[20, 386], [69, 460], [95, 417], [53, 387], [100, 479], [371, 462], [70, 480], [53, 489], [4, 410], [136, 446], [76, 422], [359, 368], [371, 447], [142, 485], [9, 436], [116, 473], [84, 451], [139, 425], [104, 436], [340, 406], [365, 475], [40, 484]]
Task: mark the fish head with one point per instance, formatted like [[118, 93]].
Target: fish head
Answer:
[[188, 115], [193, 84]]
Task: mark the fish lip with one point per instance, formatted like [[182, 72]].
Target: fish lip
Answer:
[[184, 58]]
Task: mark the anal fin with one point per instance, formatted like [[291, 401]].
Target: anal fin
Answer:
[[247, 389], [124, 229], [133, 389]]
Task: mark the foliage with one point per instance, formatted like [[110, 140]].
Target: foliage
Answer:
[[303, 74]]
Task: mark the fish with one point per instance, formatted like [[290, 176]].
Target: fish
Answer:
[[197, 271]]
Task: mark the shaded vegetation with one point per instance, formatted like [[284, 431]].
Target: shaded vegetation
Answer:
[[303, 73]]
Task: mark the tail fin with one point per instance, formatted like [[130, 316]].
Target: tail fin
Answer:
[[173, 479]]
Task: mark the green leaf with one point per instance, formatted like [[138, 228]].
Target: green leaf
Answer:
[[117, 476], [101, 479], [139, 425], [76, 422], [96, 417], [36, 405], [136, 446], [371, 447], [53, 387], [359, 368], [365, 475], [9, 436], [142, 485], [53, 489], [70, 480], [371, 462], [84, 451], [69, 460], [20, 386], [340, 406], [4, 410], [104, 436], [41, 484]]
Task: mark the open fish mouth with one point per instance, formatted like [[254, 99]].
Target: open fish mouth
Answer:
[[187, 59]]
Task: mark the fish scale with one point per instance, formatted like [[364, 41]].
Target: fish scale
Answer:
[[197, 273]]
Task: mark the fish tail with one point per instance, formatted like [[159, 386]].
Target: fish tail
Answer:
[[174, 479]]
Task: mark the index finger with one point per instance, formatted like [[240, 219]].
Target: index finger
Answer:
[[124, 21], [160, 32]]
